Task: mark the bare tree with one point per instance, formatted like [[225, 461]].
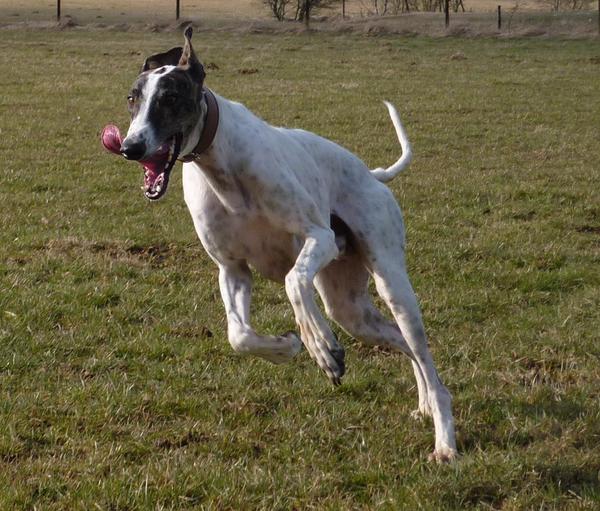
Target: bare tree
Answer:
[[304, 8], [277, 8], [574, 5], [383, 7], [458, 4]]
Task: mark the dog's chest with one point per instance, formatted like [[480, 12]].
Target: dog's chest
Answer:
[[232, 237], [243, 236]]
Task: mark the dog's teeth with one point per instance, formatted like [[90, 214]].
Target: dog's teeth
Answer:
[[158, 189]]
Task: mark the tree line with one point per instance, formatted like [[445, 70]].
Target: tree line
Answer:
[[301, 10]]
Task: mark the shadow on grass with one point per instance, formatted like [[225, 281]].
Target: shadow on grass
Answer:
[[567, 409], [518, 422], [569, 477]]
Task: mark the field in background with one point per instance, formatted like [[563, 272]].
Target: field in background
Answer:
[[239, 9], [126, 10], [520, 17], [118, 389]]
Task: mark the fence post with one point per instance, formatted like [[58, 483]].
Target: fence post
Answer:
[[58, 10], [598, 17], [177, 10], [447, 12], [500, 17], [344, 9]]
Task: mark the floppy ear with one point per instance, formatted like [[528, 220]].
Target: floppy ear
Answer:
[[189, 60], [169, 58]]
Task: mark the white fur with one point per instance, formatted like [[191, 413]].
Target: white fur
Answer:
[[261, 197], [385, 175]]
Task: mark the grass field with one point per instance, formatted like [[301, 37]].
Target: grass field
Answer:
[[118, 389]]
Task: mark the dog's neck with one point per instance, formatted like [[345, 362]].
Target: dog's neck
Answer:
[[209, 126]]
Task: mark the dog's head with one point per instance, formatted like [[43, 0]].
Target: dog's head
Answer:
[[166, 114]]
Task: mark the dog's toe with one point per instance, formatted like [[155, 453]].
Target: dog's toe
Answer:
[[329, 365], [336, 367], [337, 352], [443, 455], [335, 381], [417, 415], [339, 356], [421, 413]]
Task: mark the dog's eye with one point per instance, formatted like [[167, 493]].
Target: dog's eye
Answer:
[[130, 100]]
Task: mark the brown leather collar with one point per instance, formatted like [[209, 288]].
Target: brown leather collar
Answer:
[[210, 127]]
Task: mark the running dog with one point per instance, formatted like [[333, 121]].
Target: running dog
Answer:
[[297, 208]]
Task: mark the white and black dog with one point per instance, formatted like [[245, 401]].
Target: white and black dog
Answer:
[[297, 208]]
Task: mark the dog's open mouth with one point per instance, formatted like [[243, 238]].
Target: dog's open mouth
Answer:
[[157, 168]]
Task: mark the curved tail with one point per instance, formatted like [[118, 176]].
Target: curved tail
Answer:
[[385, 175]]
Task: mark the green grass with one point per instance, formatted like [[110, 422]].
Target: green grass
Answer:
[[118, 389]]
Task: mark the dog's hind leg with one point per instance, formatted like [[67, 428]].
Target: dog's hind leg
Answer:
[[395, 288], [343, 287], [385, 258], [380, 236], [235, 283]]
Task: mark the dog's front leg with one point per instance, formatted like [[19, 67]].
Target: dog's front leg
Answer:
[[235, 283], [318, 250]]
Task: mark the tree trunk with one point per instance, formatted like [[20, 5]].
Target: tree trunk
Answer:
[[307, 7]]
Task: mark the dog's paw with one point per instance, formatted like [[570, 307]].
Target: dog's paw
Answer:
[[336, 372], [417, 415], [421, 413], [296, 345], [324, 348], [332, 363], [443, 455], [285, 347]]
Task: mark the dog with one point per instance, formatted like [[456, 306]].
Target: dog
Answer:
[[299, 209]]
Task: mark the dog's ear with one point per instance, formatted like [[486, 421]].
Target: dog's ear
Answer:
[[189, 60], [169, 58]]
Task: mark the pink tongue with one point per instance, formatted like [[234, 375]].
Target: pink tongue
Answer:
[[112, 140]]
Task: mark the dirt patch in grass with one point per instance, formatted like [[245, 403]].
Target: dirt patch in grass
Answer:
[[155, 255], [589, 229]]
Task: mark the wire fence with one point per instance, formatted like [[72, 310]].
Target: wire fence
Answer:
[[435, 17]]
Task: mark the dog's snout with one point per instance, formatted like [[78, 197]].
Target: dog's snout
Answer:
[[133, 150]]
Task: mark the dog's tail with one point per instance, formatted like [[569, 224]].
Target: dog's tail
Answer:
[[385, 175]]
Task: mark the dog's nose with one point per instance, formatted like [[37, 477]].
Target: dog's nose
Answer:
[[133, 150]]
